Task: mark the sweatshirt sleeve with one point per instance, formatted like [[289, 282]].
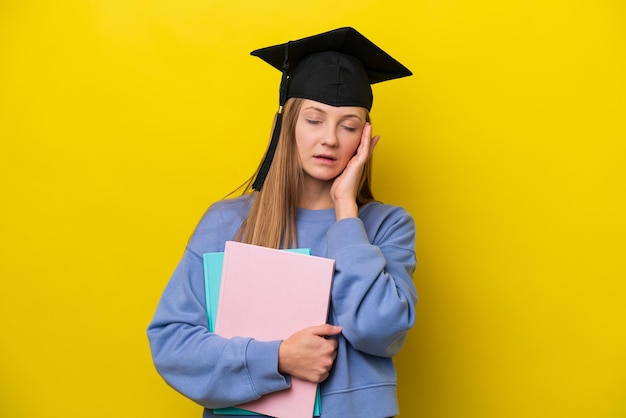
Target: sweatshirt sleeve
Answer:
[[373, 296], [213, 371]]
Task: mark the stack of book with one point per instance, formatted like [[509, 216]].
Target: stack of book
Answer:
[[268, 295]]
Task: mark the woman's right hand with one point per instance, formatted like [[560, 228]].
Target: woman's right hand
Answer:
[[308, 354], [345, 187]]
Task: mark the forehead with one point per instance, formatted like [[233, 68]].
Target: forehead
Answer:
[[341, 111]]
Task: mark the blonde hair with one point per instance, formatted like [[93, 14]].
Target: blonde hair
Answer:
[[271, 221]]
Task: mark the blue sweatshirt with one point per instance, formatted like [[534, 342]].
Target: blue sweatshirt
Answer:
[[373, 298]]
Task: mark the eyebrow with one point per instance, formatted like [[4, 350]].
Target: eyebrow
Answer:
[[349, 115]]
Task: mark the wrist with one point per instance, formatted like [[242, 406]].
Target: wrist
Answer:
[[282, 359], [344, 210]]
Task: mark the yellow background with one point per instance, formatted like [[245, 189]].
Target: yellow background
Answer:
[[121, 121]]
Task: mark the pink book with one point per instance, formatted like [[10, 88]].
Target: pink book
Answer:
[[269, 294]]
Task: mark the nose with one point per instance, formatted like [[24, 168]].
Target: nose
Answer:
[[329, 137]]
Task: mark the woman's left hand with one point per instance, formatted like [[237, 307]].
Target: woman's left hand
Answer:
[[346, 186]]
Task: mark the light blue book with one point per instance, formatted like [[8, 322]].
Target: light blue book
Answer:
[[212, 281]]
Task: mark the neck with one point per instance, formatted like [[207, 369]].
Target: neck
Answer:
[[316, 195]]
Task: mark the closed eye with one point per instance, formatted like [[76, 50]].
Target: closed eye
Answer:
[[313, 121]]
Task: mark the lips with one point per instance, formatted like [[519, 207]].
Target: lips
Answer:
[[324, 157]]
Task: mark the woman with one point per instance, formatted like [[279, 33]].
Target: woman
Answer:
[[312, 190]]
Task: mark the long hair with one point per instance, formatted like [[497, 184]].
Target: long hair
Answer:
[[271, 221]]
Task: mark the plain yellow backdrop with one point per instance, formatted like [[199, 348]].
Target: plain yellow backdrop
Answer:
[[121, 121]]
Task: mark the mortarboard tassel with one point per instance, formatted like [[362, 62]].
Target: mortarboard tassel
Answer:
[[278, 122]]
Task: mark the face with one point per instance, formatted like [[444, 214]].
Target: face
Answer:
[[327, 138]]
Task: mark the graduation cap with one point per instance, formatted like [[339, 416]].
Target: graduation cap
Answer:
[[336, 68]]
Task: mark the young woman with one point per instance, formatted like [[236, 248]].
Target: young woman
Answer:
[[312, 190]]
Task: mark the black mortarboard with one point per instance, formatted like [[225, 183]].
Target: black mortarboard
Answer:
[[335, 68]]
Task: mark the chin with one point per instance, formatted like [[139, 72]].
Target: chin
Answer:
[[323, 178]]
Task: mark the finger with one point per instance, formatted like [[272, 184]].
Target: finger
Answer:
[[367, 130], [363, 150], [366, 138], [333, 343], [326, 330], [374, 142]]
